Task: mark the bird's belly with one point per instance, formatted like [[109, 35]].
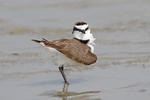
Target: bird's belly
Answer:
[[60, 59]]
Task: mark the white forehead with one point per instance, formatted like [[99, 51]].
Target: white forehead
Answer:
[[81, 26]]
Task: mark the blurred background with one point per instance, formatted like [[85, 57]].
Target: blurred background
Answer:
[[122, 31]]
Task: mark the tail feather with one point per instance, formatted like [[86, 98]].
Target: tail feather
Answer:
[[38, 41], [46, 42]]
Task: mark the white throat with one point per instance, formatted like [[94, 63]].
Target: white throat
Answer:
[[86, 36]]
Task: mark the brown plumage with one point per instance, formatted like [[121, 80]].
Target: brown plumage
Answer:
[[73, 49], [80, 23]]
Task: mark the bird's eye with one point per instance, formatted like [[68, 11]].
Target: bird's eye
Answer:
[[80, 30]]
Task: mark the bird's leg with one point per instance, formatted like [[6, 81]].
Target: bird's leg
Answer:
[[61, 69]]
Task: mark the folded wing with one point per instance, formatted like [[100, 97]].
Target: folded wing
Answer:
[[73, 49]]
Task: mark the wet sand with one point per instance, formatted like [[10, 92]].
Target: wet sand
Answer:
[[122, 32]]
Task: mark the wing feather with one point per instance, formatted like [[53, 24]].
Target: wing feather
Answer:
[[75, 50]]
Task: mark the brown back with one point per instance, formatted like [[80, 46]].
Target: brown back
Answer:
[[74, 49]]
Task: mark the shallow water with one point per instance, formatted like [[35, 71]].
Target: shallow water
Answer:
[[122, 32]]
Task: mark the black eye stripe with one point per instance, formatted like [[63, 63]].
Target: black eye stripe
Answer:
[[76, 29], [86, 28], [82, 31]]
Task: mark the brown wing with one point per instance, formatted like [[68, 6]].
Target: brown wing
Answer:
[[74, 49]]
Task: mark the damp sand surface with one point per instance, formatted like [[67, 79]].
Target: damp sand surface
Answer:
[[122, 32]]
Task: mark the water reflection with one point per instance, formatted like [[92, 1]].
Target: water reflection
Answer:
[[68, 95]]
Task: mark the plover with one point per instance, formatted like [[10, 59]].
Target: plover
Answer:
[[72, 52]]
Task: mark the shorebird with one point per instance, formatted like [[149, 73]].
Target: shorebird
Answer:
[[72, 52]]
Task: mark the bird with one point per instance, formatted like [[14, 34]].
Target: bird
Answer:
[[76, 51]]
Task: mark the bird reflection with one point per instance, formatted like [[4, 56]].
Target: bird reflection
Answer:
[[67, 95], [65, 91]]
